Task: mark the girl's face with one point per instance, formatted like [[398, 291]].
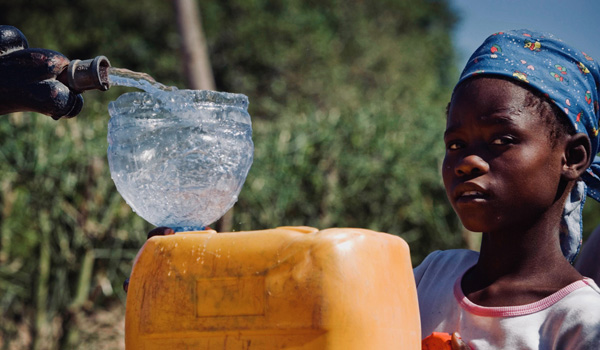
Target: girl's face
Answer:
[[500, 170]]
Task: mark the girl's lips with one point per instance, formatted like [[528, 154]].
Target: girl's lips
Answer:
[[470, 193], [471, 197]]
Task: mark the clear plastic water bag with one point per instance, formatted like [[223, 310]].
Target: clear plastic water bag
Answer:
[[179, 158]]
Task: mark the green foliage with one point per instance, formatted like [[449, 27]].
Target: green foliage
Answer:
[[62, 221], [300, 55], [374, 171], [348, 115], [347, 98], [141, 36]]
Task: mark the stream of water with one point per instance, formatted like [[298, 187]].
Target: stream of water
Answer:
[[142, 81]]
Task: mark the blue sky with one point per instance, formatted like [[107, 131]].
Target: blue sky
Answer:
[[576, 22]]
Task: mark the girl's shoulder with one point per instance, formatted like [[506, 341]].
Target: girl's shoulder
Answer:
[[445, 264], [590, 282], [583, 297], [452, 254], [574, 322]]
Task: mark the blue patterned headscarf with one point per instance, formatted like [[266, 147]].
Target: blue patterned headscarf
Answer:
[[570, 79]]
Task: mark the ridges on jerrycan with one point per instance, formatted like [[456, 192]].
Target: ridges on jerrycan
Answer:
[[284, 288]]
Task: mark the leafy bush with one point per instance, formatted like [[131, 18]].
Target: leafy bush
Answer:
[[67, 236], [347, 99]]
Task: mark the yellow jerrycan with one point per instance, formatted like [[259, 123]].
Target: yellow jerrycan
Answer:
[[283, 288]]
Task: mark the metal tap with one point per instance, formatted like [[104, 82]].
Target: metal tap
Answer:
[[86, 75]]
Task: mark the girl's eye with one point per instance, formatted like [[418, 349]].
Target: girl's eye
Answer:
[[453, 145], [503, 140]]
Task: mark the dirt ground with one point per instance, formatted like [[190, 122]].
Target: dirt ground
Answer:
[[100, 330], [104, 330]]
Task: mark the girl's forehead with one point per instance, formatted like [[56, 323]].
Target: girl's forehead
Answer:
[[489, 93], [486, 86], [489, 102]]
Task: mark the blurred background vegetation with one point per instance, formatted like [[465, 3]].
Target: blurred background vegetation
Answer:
[[348, 103]]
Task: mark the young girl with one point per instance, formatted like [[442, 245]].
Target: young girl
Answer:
[[521, 132]]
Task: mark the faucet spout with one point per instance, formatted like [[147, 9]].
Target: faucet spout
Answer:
[[86, 75]]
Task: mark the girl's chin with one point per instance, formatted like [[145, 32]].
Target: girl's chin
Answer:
[[476, 224]]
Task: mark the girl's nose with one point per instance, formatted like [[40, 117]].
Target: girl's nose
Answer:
[[471, 165]]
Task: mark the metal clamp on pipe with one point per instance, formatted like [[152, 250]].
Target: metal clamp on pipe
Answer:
[[86, 75]]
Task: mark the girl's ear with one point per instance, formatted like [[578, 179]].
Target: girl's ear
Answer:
[[578, 149]]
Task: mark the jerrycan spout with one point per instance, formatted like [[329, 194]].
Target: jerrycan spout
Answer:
[[86, 75]]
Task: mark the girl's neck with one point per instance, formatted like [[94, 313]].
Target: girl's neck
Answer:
[[519, 266]]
